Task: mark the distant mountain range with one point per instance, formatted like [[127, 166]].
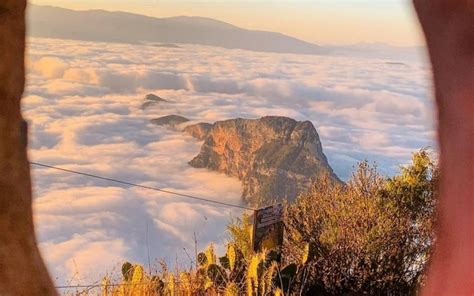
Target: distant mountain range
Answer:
[[100, 25], [114, 26]]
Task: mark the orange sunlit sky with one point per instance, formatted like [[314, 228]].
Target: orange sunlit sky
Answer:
[[318, 21]]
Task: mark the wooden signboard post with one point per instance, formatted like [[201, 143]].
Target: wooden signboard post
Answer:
[[268, 228]]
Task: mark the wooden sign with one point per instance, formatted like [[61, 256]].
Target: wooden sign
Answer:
[[268, 228]]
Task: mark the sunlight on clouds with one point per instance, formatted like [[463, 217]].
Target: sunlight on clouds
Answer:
[[50, 67], [84, 257]]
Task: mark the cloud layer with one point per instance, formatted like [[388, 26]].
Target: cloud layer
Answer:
[[83, 102]]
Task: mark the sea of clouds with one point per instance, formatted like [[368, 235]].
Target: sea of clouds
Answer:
[[83, 102]]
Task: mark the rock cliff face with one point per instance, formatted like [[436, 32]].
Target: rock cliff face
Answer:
[[169, 120], [275, 157], [199, 131]]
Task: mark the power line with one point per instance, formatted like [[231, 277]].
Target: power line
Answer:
[[141, 186], [93, 286], [81, 287]]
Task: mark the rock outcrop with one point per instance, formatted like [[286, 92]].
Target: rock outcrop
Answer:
[[276, 158], [169, 120], [198, 131], [152, 100]]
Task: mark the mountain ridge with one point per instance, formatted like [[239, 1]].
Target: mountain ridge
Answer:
[[126, 27]]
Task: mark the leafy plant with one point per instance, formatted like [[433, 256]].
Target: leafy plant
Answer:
[[373, 235]]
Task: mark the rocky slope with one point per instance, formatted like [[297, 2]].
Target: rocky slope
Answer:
[[274, 157], [152, 100], [199, 131], [169, 120]]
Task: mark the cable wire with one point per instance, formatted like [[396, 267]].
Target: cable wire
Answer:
[[94, 286], [141, 186]]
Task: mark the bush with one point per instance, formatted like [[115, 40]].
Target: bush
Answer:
[[371, 236]]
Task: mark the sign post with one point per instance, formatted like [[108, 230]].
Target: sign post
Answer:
[[268, 228]]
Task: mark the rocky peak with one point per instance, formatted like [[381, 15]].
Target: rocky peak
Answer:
[[275, 157], [152, 100], [169, 120], [198, 131]]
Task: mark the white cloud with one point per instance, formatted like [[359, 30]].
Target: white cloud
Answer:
[[50, 67], [84, 101], [86, 76], [84, 257]]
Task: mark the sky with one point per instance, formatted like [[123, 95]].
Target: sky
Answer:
[[323, 22]]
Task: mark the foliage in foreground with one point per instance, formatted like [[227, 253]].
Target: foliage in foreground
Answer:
[[371, 236]]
